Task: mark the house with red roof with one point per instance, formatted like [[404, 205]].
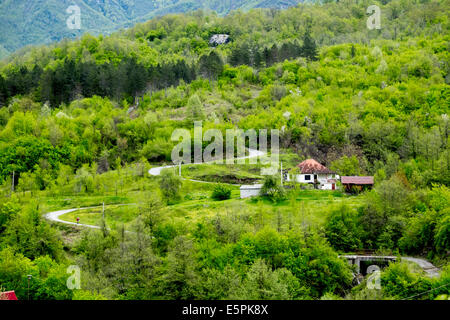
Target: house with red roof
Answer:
[[8, 295], [312, 172]]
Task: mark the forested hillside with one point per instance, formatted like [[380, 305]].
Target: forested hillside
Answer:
[[25, 22], [82, 121]]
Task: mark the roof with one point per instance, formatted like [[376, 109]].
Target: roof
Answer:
[[357, 180], [251, 187], [8, 295], [219, 39], [312, 166]]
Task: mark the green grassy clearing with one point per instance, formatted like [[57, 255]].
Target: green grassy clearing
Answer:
[[245, 173], [114, 215], [303, 206]]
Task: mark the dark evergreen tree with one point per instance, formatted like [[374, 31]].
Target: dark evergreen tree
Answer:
[[182, 71], [16, 81], [3, 94], [285, 52], [246, 54], [257, 58], [266, 56], [210, 65], [309, 48], [273, 55], [296, 49], [89, 80], [136, 77], [235, 58], [36, 74], [240, 55]]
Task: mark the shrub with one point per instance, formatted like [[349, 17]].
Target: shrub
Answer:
[[221, 192], [272, 189], [170, 185], [343, 229]]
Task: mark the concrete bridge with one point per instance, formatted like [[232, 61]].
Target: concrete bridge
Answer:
[[362, 262]]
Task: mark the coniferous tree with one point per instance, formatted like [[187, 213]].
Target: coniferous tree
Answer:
[[211, 65], [353, 51], [257, 58], [3, 94], [271, 55], [244, 54], [235, 57], [89, 79], [136, 77], [309, 48], [284, 52], [266, 56]]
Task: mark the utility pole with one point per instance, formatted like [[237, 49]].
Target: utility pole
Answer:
[[179, 170], [29, 278], [281, 172], [12, 182]]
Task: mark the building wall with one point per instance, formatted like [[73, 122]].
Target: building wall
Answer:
[[247, 193], [322, 178], [327, 186]]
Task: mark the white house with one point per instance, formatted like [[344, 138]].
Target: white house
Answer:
[[219, 39], [314, 173], [248, 191]]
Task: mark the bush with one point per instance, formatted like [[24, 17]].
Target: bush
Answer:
[[342, 229], [221, 192], [170, 185], [272, 189]]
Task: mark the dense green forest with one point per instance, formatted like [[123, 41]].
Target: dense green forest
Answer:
[[82, 121], [37, 22]]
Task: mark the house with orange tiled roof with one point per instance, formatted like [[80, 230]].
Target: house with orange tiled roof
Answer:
[[312, 172]]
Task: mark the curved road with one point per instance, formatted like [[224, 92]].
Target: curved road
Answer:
[[252, 154], [425, 265], [54, 216], [429, 268]]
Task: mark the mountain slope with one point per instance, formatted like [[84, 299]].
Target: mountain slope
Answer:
[[25, 22]]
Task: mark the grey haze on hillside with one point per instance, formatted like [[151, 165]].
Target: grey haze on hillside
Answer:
[[31, 22]]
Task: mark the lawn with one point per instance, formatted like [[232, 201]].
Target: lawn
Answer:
[[114, 215], [248, 173]]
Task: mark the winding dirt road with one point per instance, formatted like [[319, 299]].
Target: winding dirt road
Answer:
[[54, 216], [252, 154]]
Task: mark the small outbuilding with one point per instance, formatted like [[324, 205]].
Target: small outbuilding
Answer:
[[248, 191], [355, 183]]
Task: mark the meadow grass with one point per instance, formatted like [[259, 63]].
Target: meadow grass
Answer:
[[114, 215], [196, 204]]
